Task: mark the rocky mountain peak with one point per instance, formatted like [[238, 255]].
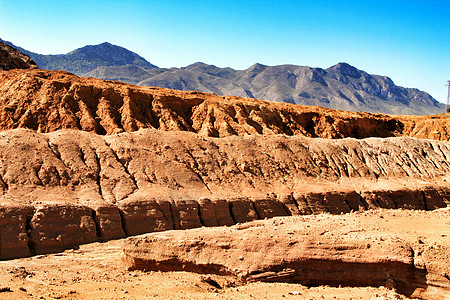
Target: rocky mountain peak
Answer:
[[257, 68], [88, 58], [347, 70], [111, 55]]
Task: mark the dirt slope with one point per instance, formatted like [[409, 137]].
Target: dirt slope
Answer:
[[11, 58], [113, 168], [48, 100]]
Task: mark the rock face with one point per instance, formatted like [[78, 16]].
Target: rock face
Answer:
[[347, 250], [71, 187], [56, 227], [11, 58], [14, 235], [48, 100]]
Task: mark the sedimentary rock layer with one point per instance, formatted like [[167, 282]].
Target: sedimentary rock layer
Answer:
[[48, 100], [71, 187], [85, 167], [348, 250]]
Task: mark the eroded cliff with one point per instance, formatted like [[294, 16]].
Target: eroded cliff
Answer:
[[48, 100]]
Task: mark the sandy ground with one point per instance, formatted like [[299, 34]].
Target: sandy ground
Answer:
[[96, 271]]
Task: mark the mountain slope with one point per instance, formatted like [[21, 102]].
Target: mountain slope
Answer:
[[11, 58], [88, 58], [339, 87]]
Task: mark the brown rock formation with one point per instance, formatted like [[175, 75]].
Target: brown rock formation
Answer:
[[11, 58], [185, 166], [14, 223], [348, 250], [71, 187], [47, 101], [56, 227]]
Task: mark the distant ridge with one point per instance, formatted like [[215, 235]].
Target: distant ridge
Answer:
[[341, 86], [88, 58]]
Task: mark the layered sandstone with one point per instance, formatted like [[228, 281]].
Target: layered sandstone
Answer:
[[48, 100], [359, 249], [71, 187]]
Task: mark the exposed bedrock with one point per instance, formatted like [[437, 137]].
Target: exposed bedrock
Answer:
[[85, 167], [62, 189], [56, 227], [14, 230], [311, 250], [52, 227]]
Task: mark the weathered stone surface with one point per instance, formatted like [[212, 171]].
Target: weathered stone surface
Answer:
[[433, 198], [214, 212], [108, 221], [291, 207], [158, 180], [349, 250], [56, 227], [14, 240], [145, 215], [269, 207], [405, 198], [186, 214], [379, 198], [242, 210]]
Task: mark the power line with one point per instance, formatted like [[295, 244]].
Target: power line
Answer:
[[448, 96]]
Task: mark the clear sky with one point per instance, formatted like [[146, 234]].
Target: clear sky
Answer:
[[405, 40]]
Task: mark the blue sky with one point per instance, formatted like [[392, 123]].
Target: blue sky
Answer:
[[405, 40]]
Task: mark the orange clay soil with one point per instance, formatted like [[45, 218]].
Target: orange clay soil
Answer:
[[49, 100]]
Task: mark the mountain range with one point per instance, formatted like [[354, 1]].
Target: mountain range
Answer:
[[341, 86]]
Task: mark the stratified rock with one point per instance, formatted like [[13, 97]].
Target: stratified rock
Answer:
[[108, 221], [145, 215], [153, 180], [186, 214], [14, 230], [61, 226], [312, 250], [48, 101], [214, 212], [268, 207], [242, 210]]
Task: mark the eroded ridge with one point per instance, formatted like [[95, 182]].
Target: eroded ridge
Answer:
[[49, 100], [71, 187]]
